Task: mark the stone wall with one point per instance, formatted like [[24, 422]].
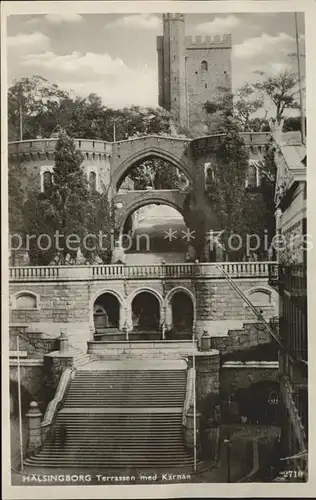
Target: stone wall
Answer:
[[232, 378], [220, 308], [69, 304], [33, 378], [252, 335]]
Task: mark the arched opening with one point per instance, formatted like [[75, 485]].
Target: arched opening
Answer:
[[145, 312], [106, 315], [259, 403], [26, 300], [92, 181], [204, 66], [182, 313], [154, 170], [154, 232]]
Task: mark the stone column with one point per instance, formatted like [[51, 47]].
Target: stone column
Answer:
[[34, 417], [63, 342]]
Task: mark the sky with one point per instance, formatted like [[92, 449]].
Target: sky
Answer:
[[114, 55]]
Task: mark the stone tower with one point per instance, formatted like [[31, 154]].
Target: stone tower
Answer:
[[171, 64], [191, 70]]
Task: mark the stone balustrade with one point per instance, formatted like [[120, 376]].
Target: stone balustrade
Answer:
[[157, 271]]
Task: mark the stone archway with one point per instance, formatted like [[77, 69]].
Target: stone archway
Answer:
[[145, 310], [106, 315], [180, 313], [127, 203], [128, 153]]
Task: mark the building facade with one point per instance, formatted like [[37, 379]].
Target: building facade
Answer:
[[191, 70], [290, 200]]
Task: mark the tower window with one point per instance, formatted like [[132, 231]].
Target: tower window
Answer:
[[205, 85], [47, 181], [204, 66], [93, 181]]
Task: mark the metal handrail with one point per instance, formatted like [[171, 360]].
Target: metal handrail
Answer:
[[250, 304]]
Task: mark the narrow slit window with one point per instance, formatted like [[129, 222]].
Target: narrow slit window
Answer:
[[93, 181], [47, 181]]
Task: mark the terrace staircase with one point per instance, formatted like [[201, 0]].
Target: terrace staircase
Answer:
[[120, 415]]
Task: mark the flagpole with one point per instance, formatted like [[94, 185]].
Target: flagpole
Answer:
[[300, 79], [20, 402]]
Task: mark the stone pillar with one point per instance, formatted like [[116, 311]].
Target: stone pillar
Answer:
[[207, 380], [34, 417], [189, 430], [63, 342]]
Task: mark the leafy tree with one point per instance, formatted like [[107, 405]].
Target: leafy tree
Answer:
[[245, 105], [29, 100], [281, 91], [70, 210], [16, 201], [225, 188]]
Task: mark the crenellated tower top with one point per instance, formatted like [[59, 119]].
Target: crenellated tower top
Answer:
[[223, 41]]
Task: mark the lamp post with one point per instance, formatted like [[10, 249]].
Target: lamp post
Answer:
[[20, 402], [228, 444]]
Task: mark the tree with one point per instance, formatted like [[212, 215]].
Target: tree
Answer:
[[16, 202], [225, 188], [29, 100], [68, 213], [245, 105], [281, 90]]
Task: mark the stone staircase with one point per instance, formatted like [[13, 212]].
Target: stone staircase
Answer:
[[120, 418]]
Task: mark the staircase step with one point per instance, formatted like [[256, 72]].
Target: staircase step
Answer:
[[120, 417]]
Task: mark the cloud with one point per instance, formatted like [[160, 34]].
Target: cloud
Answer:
[[35, 42], [253, 47], [76, 63], [218, 25], [64, 18], [33, 20], [117, 84], [136, 21]]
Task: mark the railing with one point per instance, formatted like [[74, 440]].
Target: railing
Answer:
[[156, 271], [54, 404], [189, 395], [296, 400], [254, 309], [300, 398]]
